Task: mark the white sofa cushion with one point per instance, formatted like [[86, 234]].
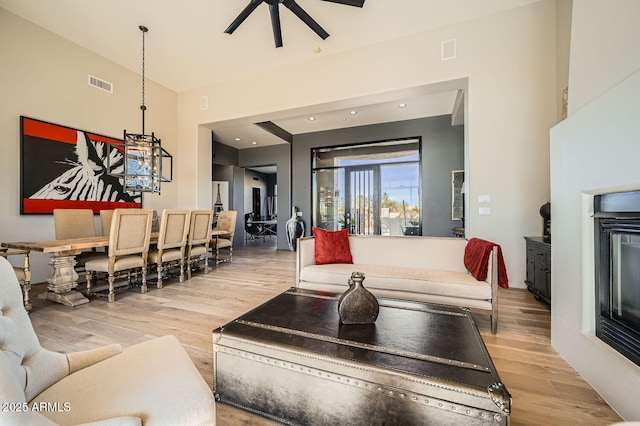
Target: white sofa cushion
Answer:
[[397, 278]]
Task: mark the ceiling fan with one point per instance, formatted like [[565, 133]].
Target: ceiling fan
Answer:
[[275, 16]]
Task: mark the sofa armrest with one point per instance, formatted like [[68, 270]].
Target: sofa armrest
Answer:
[[79, 360], [305, 256]]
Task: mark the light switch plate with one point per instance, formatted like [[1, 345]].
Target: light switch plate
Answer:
[[484, 211], [484, 198]]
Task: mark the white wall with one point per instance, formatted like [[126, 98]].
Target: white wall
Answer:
[[595, 150], [509, 59], [45, 77]]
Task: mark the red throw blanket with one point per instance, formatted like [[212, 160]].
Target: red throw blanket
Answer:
[[476, 260]]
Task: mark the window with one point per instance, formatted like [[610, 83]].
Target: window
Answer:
[[368, 188]]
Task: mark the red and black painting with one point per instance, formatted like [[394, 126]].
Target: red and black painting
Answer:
[[62, 167]]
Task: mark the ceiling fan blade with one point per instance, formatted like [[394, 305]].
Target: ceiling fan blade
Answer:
[[243, 15], [275, 24], [356, 3], [304, 16]]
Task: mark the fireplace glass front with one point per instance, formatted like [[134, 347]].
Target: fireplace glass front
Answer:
[[625, 276], [617, 244]]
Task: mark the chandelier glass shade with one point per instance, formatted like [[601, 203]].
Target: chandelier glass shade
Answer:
[[143, 163]]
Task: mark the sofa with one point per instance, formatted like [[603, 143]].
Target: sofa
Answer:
[[424, 269], [150, 383]]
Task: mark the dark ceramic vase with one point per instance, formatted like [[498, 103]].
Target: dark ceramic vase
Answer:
[[545, 212], [295, 229], [357, 305]]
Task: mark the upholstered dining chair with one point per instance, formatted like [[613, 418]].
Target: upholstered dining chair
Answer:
[[128, 248], [105, 221], [199, 238], [226, 222], [23, 273], [172, 242], [76, 223]]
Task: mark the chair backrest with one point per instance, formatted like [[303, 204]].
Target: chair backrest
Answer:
[[105, 221], [130, 231], [227, 221], [174, 227], [200, 227], [74, 223], [27, 368], [155, 222]]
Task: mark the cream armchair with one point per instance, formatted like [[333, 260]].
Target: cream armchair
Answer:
[[151, 383]]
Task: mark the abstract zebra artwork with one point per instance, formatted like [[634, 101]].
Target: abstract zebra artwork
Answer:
[[69, 168]]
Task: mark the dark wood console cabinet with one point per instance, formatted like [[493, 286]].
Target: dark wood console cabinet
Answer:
[[539, 268]]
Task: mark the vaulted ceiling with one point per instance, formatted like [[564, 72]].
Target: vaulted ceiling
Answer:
[[186, 46]]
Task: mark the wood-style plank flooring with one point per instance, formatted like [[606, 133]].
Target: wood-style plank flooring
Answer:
[[545, 389]]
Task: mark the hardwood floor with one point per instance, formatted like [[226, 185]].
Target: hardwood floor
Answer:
[[545, 389]]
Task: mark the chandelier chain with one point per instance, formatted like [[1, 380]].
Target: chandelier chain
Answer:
[[143, 32]]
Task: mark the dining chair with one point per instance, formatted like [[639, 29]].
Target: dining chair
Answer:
[[76, 223], [252, 230], [226, 222], [172, 242], [199, 238], [129, 237], [23, 273], [105, 221]]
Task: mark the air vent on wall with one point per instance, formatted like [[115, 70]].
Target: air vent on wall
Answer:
[[100, 84], [449, 49]]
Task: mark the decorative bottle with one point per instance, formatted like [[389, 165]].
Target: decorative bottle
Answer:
[[357, 305]]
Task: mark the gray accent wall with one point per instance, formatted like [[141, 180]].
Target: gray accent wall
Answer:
[[278, 155], [442, 151]]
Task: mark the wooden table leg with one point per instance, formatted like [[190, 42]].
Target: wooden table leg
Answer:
[[63, 281]]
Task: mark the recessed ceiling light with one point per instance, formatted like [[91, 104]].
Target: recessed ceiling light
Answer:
[[402, 105], [236, 139], [311, 118], [353, 112], [254, 143]]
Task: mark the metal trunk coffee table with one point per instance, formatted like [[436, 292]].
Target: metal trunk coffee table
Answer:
[[291, 360]]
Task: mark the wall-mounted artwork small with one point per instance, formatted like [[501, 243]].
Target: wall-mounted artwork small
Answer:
[[63, 167]]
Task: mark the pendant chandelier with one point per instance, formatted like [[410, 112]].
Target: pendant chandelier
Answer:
[[144, 156]]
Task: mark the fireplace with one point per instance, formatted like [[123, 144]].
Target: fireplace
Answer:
[[617, 251]]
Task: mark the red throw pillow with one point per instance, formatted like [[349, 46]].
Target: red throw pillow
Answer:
[[332, 246]]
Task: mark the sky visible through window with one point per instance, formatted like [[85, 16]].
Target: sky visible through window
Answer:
[[399, 181]]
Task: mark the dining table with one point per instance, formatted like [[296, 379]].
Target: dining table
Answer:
[[63, 278]]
